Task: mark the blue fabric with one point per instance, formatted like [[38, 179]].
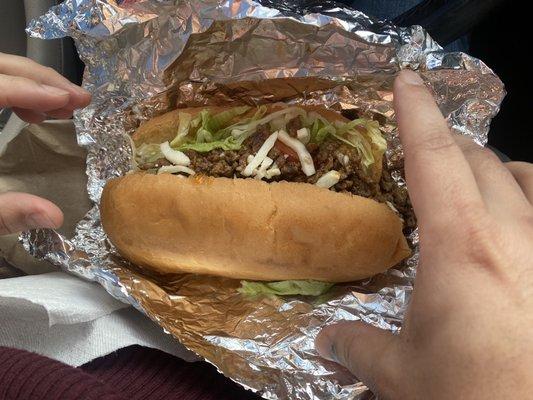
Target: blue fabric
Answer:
[[389, 9]]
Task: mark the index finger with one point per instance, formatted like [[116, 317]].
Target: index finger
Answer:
[[28, 94], [523, 174], [26, 68], [440, 181]]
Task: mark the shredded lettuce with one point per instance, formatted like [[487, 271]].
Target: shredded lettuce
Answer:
[[242, 128], [212, 125], [285, 288], [206, 132], [204, 136], [229, 143], [277, 124], [354, 139], [343, 127], [183, 128], [320, 130], [374, 133], [365, 136], [219, 121], [245, 130], [147, 153], [213, 134], [207, 126]]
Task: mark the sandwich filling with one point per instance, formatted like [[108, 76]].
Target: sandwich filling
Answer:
[[288, 144]]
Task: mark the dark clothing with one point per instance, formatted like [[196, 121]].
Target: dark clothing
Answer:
[[133, 373]]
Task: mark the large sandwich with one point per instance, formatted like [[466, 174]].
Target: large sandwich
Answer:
[[267, 194]]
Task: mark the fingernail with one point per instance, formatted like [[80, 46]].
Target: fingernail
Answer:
[[325, 347], [54, 90], [411, 78], [80, 90], [39, 220], [329, 353]]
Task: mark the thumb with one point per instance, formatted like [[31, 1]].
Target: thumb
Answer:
[[370, 353], [20, 211]]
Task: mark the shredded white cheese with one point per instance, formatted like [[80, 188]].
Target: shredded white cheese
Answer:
[[261, 172], [262, 153], [308, 167], [134, 163], [329, 179], [174, 156], [391, 206], [174, 169], [303, 135], [274, 171], [267, 162], [289, 112], [343, 159]]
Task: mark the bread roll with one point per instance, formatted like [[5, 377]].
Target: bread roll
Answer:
[[249, 229]]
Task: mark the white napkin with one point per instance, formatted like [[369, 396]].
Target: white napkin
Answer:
[[73, 321]]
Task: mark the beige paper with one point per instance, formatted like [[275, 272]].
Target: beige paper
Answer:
[[44, 160]]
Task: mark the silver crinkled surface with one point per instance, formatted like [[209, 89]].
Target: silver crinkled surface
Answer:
[[146, 57]]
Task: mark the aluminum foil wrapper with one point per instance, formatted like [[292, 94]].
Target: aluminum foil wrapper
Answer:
[[146, 57]]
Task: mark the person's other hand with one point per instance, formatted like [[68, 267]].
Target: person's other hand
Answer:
[[468, 329], [34, 93]]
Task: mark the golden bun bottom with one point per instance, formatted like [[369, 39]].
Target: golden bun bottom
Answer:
[[249, 229]]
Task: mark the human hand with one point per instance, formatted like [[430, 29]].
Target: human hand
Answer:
[[34, 93], [467, 331]]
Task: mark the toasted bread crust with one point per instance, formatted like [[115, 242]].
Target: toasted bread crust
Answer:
[[249, 229]]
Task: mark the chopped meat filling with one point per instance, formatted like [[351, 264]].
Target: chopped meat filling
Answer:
[[330, 155]]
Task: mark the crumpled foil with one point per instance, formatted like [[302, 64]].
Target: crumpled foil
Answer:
[[146, 57]]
